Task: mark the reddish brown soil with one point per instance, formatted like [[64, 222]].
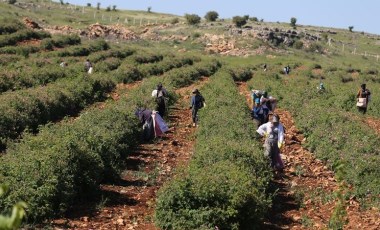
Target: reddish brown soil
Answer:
[[305, 197], [374, 123], [31, 42], [130, 203]]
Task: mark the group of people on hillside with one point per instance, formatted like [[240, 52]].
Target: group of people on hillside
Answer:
[[262, 106], [87, 66], [152, 121], [273, 130]]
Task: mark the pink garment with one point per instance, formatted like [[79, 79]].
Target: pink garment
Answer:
[[159, 125]]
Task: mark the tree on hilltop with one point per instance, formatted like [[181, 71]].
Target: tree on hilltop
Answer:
[[293, 21], [239, 21], [211, 16], [350, 28], [192, 19]]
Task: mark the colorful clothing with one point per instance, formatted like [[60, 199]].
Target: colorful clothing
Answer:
[[274, 140]]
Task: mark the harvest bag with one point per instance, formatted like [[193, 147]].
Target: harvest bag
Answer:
[[362, 102]]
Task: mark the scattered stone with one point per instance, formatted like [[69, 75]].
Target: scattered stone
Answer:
[[30, 23], [120, 222]]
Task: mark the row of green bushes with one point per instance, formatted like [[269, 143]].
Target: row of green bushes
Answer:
[[46, 44], [60, 42], [336, 136], [32, 107], [129, 72], [116, 53], [226, 183], [77, 50], [14, 80], [65, 162], [23, 75], [5, 59], [24, 51], [182, 77], [21, 35], [10, 26]]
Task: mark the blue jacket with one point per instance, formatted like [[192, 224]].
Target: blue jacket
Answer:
[[197, 101], [259, 113]]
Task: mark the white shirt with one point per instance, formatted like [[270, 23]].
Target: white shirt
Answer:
[[267, 128]]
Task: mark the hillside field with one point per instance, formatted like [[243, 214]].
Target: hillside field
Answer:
[[71, 146]]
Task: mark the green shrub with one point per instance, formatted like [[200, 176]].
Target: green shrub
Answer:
[[195, 35], [108, 65], [21, 35], [315, 47], [192, 19], [211, 16], [6, 59], [241, 74], [102, 55], [239, 21], [32, 107], [254, 19], [293, 21], [372, 71], [47, 44], [66, 162], [10, 26], [346, 79], [19, 50], [174, 21], [298, 44], [147, 58], [66, 40], [18, 213]]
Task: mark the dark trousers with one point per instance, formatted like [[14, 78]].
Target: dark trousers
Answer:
[[194, 114], [161, 108], [362, 109]]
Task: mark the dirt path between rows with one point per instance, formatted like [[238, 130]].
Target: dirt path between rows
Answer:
[[130, 203], [305, 197]]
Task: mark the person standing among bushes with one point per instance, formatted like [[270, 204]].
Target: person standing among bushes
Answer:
[[362, 98], [88, 66], [197, 102], [258, 113], [273, 132], [146, 120], [287, 69], [160, 94], [63, 64], [255, 94]]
